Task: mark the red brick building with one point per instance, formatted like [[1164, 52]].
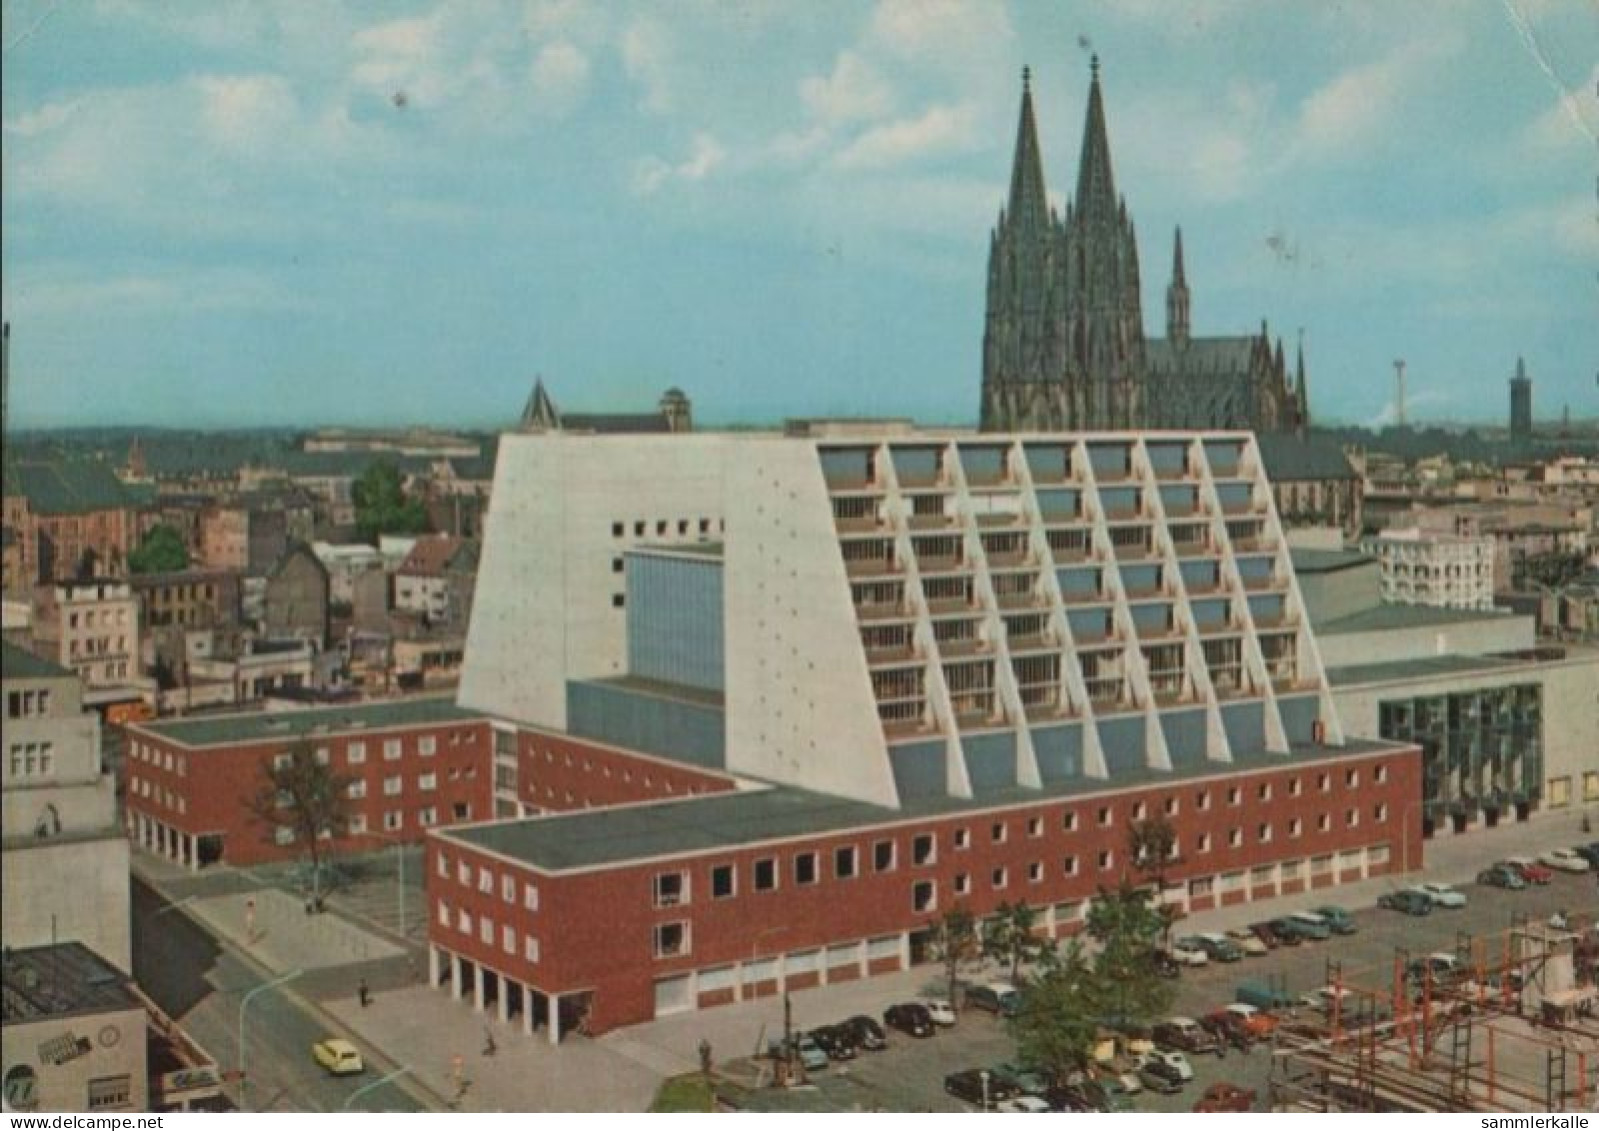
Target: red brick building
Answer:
[[556, 773], [628, 913], [416, 764]]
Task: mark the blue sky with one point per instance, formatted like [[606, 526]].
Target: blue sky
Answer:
[[240, 212]]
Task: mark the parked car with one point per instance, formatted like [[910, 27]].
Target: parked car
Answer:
[[1502, 876], [1081, 1094], [835, 1041], [1310, 925], [1531, 871], [811, 1056], [1186, 952], [975, 1084], [995, 997], [1341, 922], [1292, 927], [1218, 947], [1441, 965], [1175, 1060], [1228, 1029], [1322, 1000], [1267, 934], [941, 1011], [1442, 895], [1248, 941], [910, 1018], [867, 1034], [338, 1056], [1564, 860], [1262, 996], [1025, 1081], [1408, 901], [1226, 1097], [1185, 1034], [1024, 1104], [1158, 1076], [1258, 1021], [1589, 852]]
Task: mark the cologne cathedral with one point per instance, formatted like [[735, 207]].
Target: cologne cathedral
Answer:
[[1064, 345]]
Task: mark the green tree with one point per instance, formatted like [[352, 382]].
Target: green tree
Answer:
[[161, 550], [302, 801], [381, 505], [1128, 929], [1008, 936], [1056, 1023], [954, 941], [1152, 847]]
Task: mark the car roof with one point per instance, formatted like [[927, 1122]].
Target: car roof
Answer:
[[337, 1044]]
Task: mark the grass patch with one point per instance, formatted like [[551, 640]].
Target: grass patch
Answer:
[[685, 1093]]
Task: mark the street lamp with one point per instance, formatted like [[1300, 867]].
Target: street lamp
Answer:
[[359, 1092], [983, 1075], [399, 853], [244, 1081]]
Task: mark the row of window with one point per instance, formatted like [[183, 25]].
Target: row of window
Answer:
[[31, 759], [461, 919], [663, 527], [159, 758], [160, 794], [27, 704], [483, 880], [106, 617]]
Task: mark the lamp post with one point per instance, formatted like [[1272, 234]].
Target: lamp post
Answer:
[[399, 854], [361, 1091], [244, 1081], [983, 1075]]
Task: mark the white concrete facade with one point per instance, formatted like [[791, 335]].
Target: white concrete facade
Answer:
[[1421, 567]]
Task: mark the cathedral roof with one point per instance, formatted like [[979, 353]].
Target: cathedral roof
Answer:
[[1289, 458], [1200, 357]]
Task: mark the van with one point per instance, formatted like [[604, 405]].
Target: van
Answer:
[[1263, 996], [996, 997], [1311, 925]]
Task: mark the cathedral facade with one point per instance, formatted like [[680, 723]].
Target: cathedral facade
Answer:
[[1064, 345]]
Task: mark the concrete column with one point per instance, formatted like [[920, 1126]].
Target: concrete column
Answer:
[[194, 852], [555, 1019], [433, 966], [478, 978], [504, 1000], [905, 950], [527, 1010], [456, 975]]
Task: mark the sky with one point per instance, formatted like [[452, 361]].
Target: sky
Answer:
[[260, 212]]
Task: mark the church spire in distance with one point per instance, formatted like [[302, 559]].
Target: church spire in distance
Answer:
[[1096, 187], [1029, 206], [1177, 318]]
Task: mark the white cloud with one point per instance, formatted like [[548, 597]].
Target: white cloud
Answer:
[[46, 118], [855, 91], [57, 293], [940, 129], [653, 173], [647, 56], [1573, 121], [941, 29], [247, 113], [1357, 108], [560, 77]]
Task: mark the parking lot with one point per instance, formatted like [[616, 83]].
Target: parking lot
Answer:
[[909, 1074]]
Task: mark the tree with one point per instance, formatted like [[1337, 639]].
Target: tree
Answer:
[[381, 505], [1152, 846], [1055, 1024], [160, 551], [1008, 936], [1128, 929], [954, 941], [303, 802]]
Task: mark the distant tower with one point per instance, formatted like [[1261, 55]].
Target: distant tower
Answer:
[[540, 413], [679, 413], [1177, 321], [1399, 392], [5, 379], [1521, 405], [1302, 389]]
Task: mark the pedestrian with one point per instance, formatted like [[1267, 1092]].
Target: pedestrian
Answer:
[[364, 993]]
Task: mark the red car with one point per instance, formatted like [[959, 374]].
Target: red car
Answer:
[[1531, 871], [1226, 1097]]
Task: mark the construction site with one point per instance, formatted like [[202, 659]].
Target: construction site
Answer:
[[1502, 1023]]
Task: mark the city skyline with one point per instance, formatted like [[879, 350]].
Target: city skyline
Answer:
[[254, 215]]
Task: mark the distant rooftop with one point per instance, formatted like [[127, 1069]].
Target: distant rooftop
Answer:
[[1308, 560], [68, 486], [1288, 457], [61, 981], [1388, 671], [1387, 617], [724, 821], [19, 663], [266, 726]]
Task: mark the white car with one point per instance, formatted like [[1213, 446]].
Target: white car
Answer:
[[1248, 942], [941, 1011], [1442, 895], [1176, 1060], [1563, 859], [1187, 952], [1024, 1104]]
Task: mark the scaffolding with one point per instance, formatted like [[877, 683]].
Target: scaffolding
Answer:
[[1501, 1023]]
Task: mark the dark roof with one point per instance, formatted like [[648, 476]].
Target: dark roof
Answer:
[[19, 663], [1307, 560], [1419, 668], [68, 487], [709, 822], [1289, 457], [264, 726], [614, 422], [1200, 357], [61, 980], [659, 689], [1387, 617], [430, 554]]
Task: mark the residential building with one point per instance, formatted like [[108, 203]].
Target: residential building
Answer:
[[297, 602], [346, 563], [191, 598], [1313, 481], [435, 580], [92, 627], [65, 861], [1425, 568], [1064, 343], [71, 518], [936, 669]]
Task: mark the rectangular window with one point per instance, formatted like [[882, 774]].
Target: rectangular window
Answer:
[[1351, 778], [1202, 800], [1235, 837], [443, 865], [845, 862], [485, 881], [1068, 821], [805, 868], [1204, 842], [1295, 825], [356, 790], [722, 882], [671, 940], [883, 856], [1264, 792], [508, 888], [1263, 834], [427, 745], [323, 756], [963, 838], [998, 832], [508, 939], [485, 930], [427, 782], [1140, 810], [1105, 816], [1107, 859], [530, 948], [765, 874], [671, 889], [924, 849], [427, 817], [1069, 865], [530, 897], [1380, 813], [358, 825], [444, 914], [1035, 873], [999, 877], [1294, 787], [1035, 826], [963, 884], [392, 786], [110, 1092], [355, 753], [1235, 796], [1171, 806], [391, 750], [1380, 775], [924, 896]]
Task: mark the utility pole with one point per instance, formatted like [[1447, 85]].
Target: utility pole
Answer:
[[1399, 392]]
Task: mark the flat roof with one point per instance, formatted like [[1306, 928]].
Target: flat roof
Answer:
[[1387, 671], [680, 692], [1387, 617], [694, 549], [739, 819], [1308, 560], [61, 980], [262, 726], [19, 663]]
